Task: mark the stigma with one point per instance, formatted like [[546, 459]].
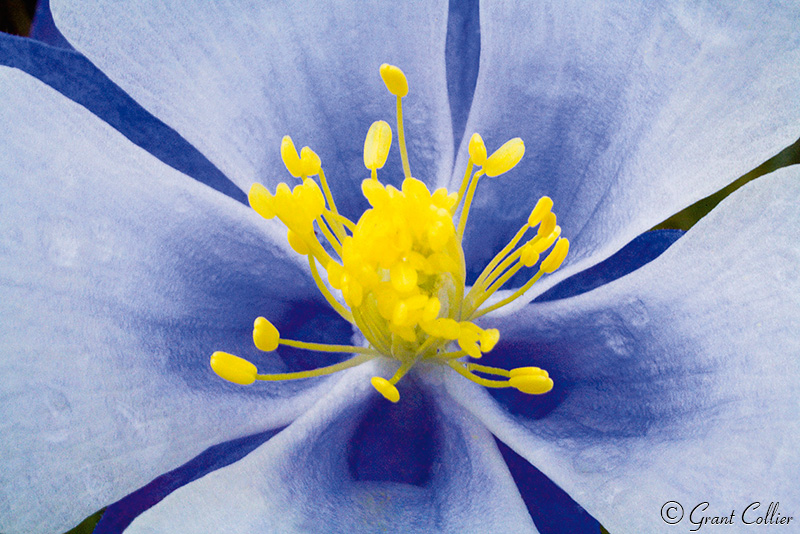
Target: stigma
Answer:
[[398, 273]]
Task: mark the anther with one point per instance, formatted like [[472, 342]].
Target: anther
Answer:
[[477, 150], [529, 256], [376, 145], [505, 158], [395, 80], [547, 225], [265, 336], [556, 257], [532, 384], [290, 157], [261, 201], [233, 368], [309, 162], [297, 243], [542, 208], [385, 388]]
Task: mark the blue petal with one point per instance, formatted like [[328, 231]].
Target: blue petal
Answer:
[[118, 278], [642, 250], [74, 76], [119, 515], [462, 55], [234, 77], [301, 480], [395, 442], [630, 112], [44, 29], [552, 510], [675, 382]]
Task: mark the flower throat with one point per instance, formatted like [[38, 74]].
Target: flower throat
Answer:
[[398, 274]]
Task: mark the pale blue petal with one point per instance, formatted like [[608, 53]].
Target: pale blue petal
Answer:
[[118, 278], [630, 111], [676, 382], [234, 77], [301, 481]]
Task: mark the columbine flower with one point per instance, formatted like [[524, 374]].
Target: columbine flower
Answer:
[[675, 381]]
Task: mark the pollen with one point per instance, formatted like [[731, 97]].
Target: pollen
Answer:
[[397, 274]]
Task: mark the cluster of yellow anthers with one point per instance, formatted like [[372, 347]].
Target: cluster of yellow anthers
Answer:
[[400, 269]]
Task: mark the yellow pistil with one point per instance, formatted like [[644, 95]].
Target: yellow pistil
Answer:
[[398, 273]]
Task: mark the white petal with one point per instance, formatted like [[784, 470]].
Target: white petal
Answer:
[[234, 77], [299, 481], [118, 278], [630, 112], [678, 382]]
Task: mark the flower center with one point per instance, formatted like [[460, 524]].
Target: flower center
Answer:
[[398, 274]]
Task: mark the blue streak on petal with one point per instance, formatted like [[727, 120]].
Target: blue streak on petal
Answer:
[[44, 28], [121, 514], [395, 442], [642, 250], [552, 509], [72, 75], [462, 54]]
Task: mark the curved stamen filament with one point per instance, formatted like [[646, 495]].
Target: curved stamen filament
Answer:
[[332, 240], [484, 296], [327, 347], [323, 288], [461, 369], [321, 371], [488, 370], [337, 228], [451, 355], [401, 372], [350, 225], [518, 293], [462, 222], [317, 251], [401, 140], [374, 335], [464, 183], [489, 269]]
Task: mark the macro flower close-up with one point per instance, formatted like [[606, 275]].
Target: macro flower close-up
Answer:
[[398, 267]]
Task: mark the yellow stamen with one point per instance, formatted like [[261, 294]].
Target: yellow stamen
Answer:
[[462, 221], [477, 150], [265, 336], [395, 80], [465, 182], [376, 146], [290, 157], [320, 371], [385, 388], [233, 368], [396, 83], [531, 384], [400, 268], [554, 260], [332, 240], [542, 208], [461, 369], [335, 304], [309, 162], [505, 158], [261, 201], [337, 219]]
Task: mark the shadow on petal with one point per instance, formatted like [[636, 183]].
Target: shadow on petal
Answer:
[[395, 442]]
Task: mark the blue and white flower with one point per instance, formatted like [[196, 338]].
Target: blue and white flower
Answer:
[[676, 380]]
